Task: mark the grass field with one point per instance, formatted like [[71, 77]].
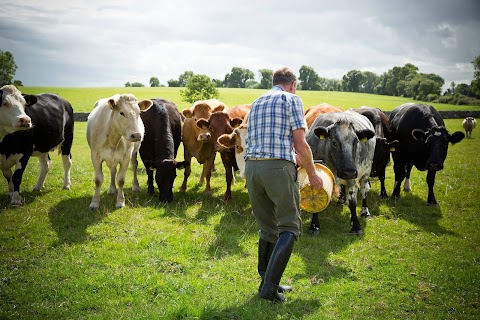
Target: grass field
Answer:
[[83, 99], [196, 257]]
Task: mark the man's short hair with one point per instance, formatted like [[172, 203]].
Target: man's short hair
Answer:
[[284, 76]]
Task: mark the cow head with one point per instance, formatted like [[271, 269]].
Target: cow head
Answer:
[[435, 142], [166, 171], [12, 110], [126, 115], [203, 110], [341, 143], [218, 124], [237, 140]]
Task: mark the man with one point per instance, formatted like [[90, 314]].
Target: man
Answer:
[[275, 143]]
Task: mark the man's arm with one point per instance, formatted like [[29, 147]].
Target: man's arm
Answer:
[[304, 157]]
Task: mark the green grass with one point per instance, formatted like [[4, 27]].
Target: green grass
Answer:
[[196, 257], [83, 99]]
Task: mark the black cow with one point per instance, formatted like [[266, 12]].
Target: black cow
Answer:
[[383, 145], [33, 125], [163, 134], [423, 143]]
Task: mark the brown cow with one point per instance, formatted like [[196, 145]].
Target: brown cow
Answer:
[[220, 123], [195, 144], [312, 113]]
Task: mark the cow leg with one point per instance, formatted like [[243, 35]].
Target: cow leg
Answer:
[[352, 190], [7, 174], [406, 185], [67, 164], [134, 163], [150, 187], [314, 224], [399, 169], [97, 168], [207, 172], [383, 190], [430, 182], [188, 170], [364, 191], [122, 171], [112, 189], [44, 160], [227, 163]]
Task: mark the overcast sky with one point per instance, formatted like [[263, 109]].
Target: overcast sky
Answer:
[[105, 43]]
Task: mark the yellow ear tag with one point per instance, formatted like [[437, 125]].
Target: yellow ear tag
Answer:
[[392, 149], [322, 137], [364, 139]]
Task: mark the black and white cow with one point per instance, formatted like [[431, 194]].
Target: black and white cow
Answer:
[[383, 144], [343, 140], [33, 125], [163, 134], [423, 143]]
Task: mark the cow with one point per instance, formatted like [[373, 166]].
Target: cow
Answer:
[[158, 150], [343, 141], [469, 123], [33, 125], [114, 133], [219, 123], [312, 113], [383, 144], [236, 140], [423, 143], [197, 143]]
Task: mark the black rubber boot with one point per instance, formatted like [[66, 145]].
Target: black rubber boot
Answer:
[[278, 262], [265, 250]]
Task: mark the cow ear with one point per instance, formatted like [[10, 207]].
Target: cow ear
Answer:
[[187, 113], [181, 164], [393, 144], [30, 99], [419, 135], [219, 108], [144, 105], [201, 123], [321, 132], [112, 103], [226, 140], [456, 137], [236, 122], [364, 135]]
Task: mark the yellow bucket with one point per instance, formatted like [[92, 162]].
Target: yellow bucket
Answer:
[[316, 200]]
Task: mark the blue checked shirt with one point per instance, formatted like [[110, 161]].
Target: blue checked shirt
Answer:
[[271, 122]]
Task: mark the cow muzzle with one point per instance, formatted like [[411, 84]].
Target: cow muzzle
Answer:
[[204, 137], [348, 174], [134, 137], [24, 122]]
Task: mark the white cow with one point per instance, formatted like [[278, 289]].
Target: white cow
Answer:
[[114, 132], [469, 123], [237, 140]]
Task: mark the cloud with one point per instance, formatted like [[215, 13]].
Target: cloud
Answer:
[[107, 43]]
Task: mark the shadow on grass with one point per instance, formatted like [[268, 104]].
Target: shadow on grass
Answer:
[[71, 217], [254, 308]]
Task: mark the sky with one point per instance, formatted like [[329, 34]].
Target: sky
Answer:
[[105, 43]]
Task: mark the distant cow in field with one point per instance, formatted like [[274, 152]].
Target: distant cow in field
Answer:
[[343, 140], [114, 131], [469, 123], [312, 113], [163, 134], [423, 143], [219, 123], [383, 144], [33, 125], [198, 143]]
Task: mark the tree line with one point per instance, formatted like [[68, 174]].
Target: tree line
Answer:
[[404, 81]]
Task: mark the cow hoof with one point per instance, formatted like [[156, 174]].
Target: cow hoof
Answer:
[[120, 206], [94, 207], [66, 188], [136, 189], [432, 204], [356, 232], [314, 230]]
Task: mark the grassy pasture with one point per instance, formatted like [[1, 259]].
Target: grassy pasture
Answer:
[[196, 257], [83, 99]]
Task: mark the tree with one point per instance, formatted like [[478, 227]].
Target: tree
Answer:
[[475, 84], [183, 78], [154, 82], [7, 68], [137, 84], [352, 81], [17, 83], [309, 78], [266, 76], [173, 83], [238, 77], [128, 84], [199, 87]]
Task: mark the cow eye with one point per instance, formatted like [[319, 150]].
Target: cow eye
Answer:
[[335, 144], [123, 114]]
